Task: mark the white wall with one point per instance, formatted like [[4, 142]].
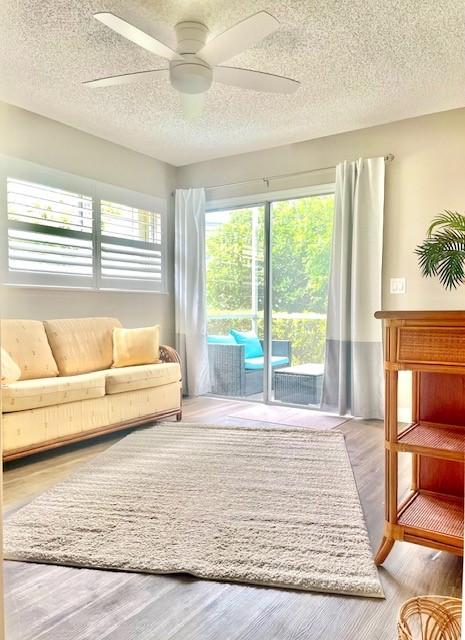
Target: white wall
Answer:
[[427, 176], [32, 137]]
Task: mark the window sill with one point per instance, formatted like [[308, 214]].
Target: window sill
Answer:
[[11, 285]]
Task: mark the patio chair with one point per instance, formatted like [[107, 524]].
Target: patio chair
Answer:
[[231, 374]]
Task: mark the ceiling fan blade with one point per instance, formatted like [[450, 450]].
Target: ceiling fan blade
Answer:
[[238, 38], [124, 78], [255, 80], [132, 33], [192, 104]]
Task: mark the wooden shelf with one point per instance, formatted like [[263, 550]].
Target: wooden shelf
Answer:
[[431, 344], [436, 513], [436, 441]]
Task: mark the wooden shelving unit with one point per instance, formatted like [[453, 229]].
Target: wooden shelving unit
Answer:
[[432, 346]]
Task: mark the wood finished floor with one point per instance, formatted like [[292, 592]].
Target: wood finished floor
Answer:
[[59, 603]]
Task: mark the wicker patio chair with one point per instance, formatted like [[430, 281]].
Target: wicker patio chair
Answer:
[[228, 374]]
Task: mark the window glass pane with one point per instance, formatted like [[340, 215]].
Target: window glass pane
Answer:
[[121, 221], [301, 242], [126, 254], [49, 230], [39, 204], [235, 268], [235, 299]]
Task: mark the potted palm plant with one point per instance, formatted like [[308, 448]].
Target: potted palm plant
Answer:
[[442, 253]]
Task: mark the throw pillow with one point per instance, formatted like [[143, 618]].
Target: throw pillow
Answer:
[[10, 372], [253, 347], [136, 346]]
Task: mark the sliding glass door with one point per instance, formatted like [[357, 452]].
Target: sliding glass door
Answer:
[[235, 300], [301, 236], [267, 289]]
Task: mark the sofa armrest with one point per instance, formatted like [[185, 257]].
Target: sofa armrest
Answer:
[[168, 354]]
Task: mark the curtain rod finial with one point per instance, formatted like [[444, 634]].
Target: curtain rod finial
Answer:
[[389, 158]]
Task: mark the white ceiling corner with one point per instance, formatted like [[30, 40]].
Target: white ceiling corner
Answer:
[[360, 62]]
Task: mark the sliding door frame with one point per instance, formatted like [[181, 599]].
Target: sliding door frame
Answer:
[[267, 311], [266, 200]]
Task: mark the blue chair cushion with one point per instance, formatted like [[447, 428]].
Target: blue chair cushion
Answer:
[[258, 363], [253, 347], [221, 340]]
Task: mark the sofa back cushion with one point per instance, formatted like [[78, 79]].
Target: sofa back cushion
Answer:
[[81, 345], [27, 344]]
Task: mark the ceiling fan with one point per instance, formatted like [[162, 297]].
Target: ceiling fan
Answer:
[[196, 63]]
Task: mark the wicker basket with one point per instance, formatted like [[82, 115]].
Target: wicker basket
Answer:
[[430, 618]]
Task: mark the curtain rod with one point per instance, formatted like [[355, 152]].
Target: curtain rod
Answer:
[[267, 179]]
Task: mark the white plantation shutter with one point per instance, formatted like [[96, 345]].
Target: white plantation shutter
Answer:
[[49, 235], [62, 230], [131, 247]]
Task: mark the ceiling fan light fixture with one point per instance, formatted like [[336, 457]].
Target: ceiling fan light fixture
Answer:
[[191, 75]]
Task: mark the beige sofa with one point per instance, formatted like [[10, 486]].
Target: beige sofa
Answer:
[[67, 390]]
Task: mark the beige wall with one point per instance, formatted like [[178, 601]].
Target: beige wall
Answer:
[[427, 176], [32, 137]]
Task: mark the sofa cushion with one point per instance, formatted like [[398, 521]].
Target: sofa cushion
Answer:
[[258, 363], [10, 372], [44, 392], [141, 376], [136, 346], [24, 429], [81, 345], [26, 342]]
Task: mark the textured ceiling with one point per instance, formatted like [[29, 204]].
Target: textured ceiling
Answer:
[[360, 62]]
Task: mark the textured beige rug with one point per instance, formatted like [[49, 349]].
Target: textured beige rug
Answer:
[[266, 506]]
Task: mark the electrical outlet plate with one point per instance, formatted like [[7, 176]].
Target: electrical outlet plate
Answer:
[[397, 285]]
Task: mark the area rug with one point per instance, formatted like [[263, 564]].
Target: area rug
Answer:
[[266, 506]]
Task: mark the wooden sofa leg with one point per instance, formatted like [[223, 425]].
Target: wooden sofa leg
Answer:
[[179, 416]]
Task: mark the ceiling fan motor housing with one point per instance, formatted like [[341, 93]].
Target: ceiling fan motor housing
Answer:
[[191, 74]]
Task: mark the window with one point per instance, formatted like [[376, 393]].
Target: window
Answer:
[[130, 244], [49, 231], [61, 230]]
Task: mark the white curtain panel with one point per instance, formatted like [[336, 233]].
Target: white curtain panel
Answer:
[[190, 290], [353, 380]]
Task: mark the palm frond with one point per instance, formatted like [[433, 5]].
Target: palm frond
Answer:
[[442, 253], [450, 219]]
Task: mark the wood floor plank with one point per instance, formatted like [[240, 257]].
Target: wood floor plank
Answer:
[[58, 600], [166, 617], [236, 607], [113, 605], [60, 603]]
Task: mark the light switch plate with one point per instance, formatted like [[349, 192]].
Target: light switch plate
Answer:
[[398, 285]]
